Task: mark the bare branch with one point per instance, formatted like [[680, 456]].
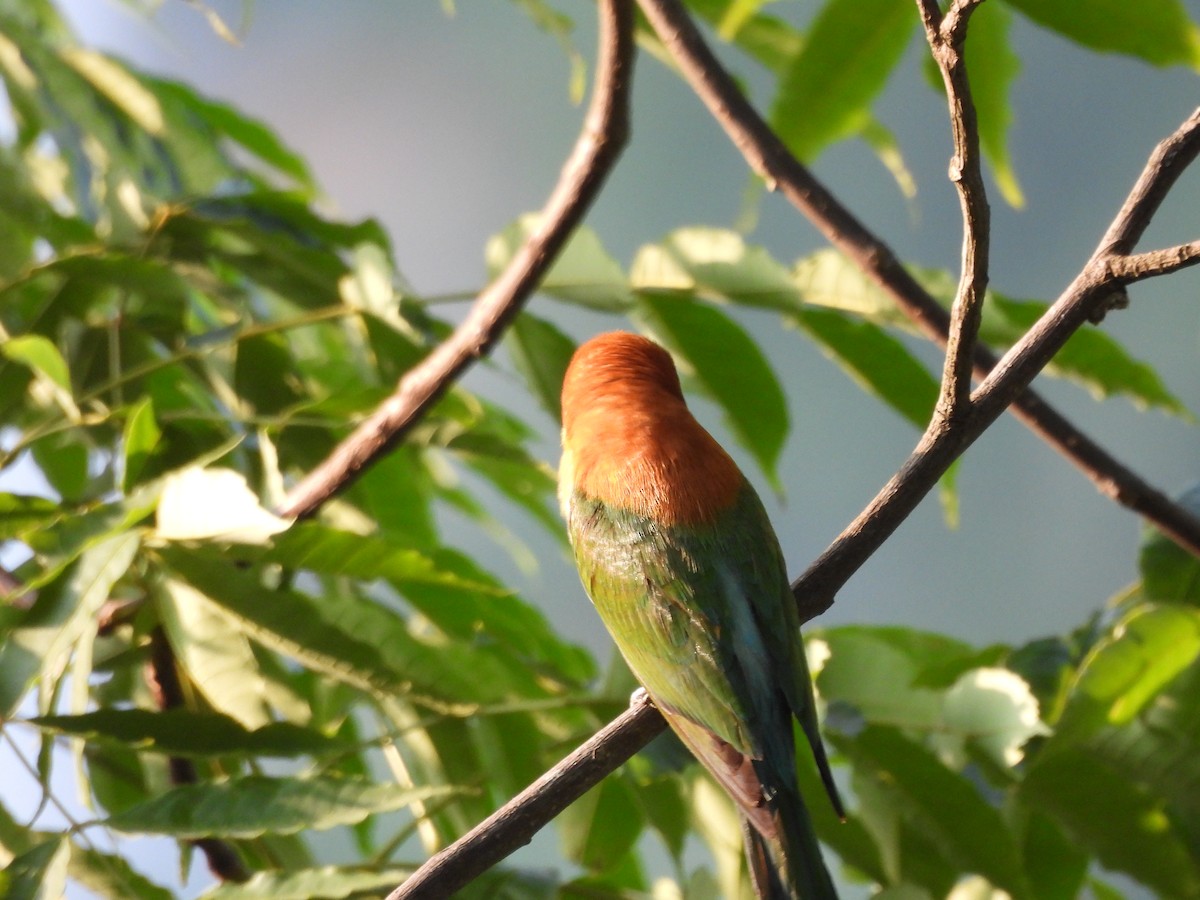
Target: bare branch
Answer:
[[946, 36], [770, 159], [517, 821], [1140, 266], [605, 132]]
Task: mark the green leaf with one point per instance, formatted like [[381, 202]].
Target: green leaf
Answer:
[[826, 278], [992, 67], [141, 436], [1150, 647], [41, 355], [325, 883], [181, 732], [1170, 573], [1108, 814], [878, 362], [715, 263], [730, 368], [215, 653], [63, 611], [256, 805], [1157, 31], [541, 353], [826, 93], [602, 826], [38, 872], [1090, 358], [879, 672], [226, 121], [942, 804], [583, 273]]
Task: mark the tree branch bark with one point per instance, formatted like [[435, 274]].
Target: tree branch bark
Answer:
[[946, 36], [604, 135], [515, 824]]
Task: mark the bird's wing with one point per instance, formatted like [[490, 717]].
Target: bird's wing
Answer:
[[661, 597]]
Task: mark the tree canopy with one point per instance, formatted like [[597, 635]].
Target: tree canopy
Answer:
[[234, 616]]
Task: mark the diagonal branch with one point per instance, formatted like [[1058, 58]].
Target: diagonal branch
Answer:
[[946, 36], [770, 159], [514, 824], [605, 132]]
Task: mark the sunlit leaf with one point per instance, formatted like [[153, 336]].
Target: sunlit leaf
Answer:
[[826, 92], [214, 652], [582, 273]]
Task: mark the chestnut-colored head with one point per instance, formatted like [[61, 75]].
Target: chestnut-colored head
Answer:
[[630, 440]]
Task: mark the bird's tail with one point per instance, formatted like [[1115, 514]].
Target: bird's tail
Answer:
[[788, 864]]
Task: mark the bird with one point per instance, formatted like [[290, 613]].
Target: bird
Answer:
[[677, 554]]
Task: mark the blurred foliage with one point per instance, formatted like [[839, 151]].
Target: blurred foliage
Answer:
[[184, 333]]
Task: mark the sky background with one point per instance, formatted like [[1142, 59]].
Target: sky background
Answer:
[[446, 128]]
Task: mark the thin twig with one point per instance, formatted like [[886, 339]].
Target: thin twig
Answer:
[[1085, 298], [770, 159], [605, 132], [946, 36], [515, 824]]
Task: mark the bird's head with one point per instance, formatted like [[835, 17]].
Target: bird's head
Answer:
[[629, 438]]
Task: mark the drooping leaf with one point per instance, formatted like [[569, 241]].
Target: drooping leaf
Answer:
[[1090, 358], [826, 92], [181, 732], [541, 353], [992, 67], [602, 826], [254, 805], [140, 437], [1157, 31], [729, 366]]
